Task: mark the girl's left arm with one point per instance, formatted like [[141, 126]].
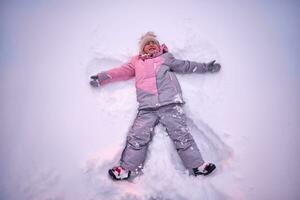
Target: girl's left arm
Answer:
[[186, 66]]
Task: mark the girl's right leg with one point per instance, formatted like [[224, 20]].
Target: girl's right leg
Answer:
[[138, 138]]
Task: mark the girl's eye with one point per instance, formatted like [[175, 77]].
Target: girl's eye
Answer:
[[151, 42]]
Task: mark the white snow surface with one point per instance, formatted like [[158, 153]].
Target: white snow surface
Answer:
[[59, 136]]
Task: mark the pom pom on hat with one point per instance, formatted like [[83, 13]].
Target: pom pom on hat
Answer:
[[147, 37]]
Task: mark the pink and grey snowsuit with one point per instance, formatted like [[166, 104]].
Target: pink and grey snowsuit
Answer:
[[160, 101]]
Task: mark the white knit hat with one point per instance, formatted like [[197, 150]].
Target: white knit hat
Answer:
[[147, 37]]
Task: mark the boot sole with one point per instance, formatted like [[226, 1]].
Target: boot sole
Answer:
[[212, 168], [112, 175]]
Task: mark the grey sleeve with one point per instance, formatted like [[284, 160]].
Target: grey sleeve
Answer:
[[185, 66]]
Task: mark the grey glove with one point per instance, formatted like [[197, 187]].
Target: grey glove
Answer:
[[213, 67], [94, 82], [97, 79]]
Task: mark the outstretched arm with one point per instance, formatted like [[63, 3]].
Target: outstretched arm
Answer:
[[124, 72], [186, 66]]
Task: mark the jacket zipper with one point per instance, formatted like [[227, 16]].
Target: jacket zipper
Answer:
[[172, 81], [158, 103]]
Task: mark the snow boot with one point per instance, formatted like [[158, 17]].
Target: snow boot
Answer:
[[204, 169], [119, 173]]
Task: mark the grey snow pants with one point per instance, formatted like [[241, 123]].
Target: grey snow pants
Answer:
[[172, 117]]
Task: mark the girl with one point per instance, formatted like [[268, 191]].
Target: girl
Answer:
[[160, 101]]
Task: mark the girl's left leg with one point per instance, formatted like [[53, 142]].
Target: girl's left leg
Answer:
[[174, 119]]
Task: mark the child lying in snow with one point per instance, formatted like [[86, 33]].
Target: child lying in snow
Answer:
[[160, 101]]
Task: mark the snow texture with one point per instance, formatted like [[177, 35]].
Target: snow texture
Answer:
[[59, 136]]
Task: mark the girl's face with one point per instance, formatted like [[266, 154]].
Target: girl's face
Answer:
[[151, 47]]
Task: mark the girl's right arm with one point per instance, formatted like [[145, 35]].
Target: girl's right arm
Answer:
[[124, 72]]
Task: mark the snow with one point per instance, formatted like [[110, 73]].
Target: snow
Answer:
[[59, 136]]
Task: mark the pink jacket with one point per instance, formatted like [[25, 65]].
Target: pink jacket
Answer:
[[155, 80]]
